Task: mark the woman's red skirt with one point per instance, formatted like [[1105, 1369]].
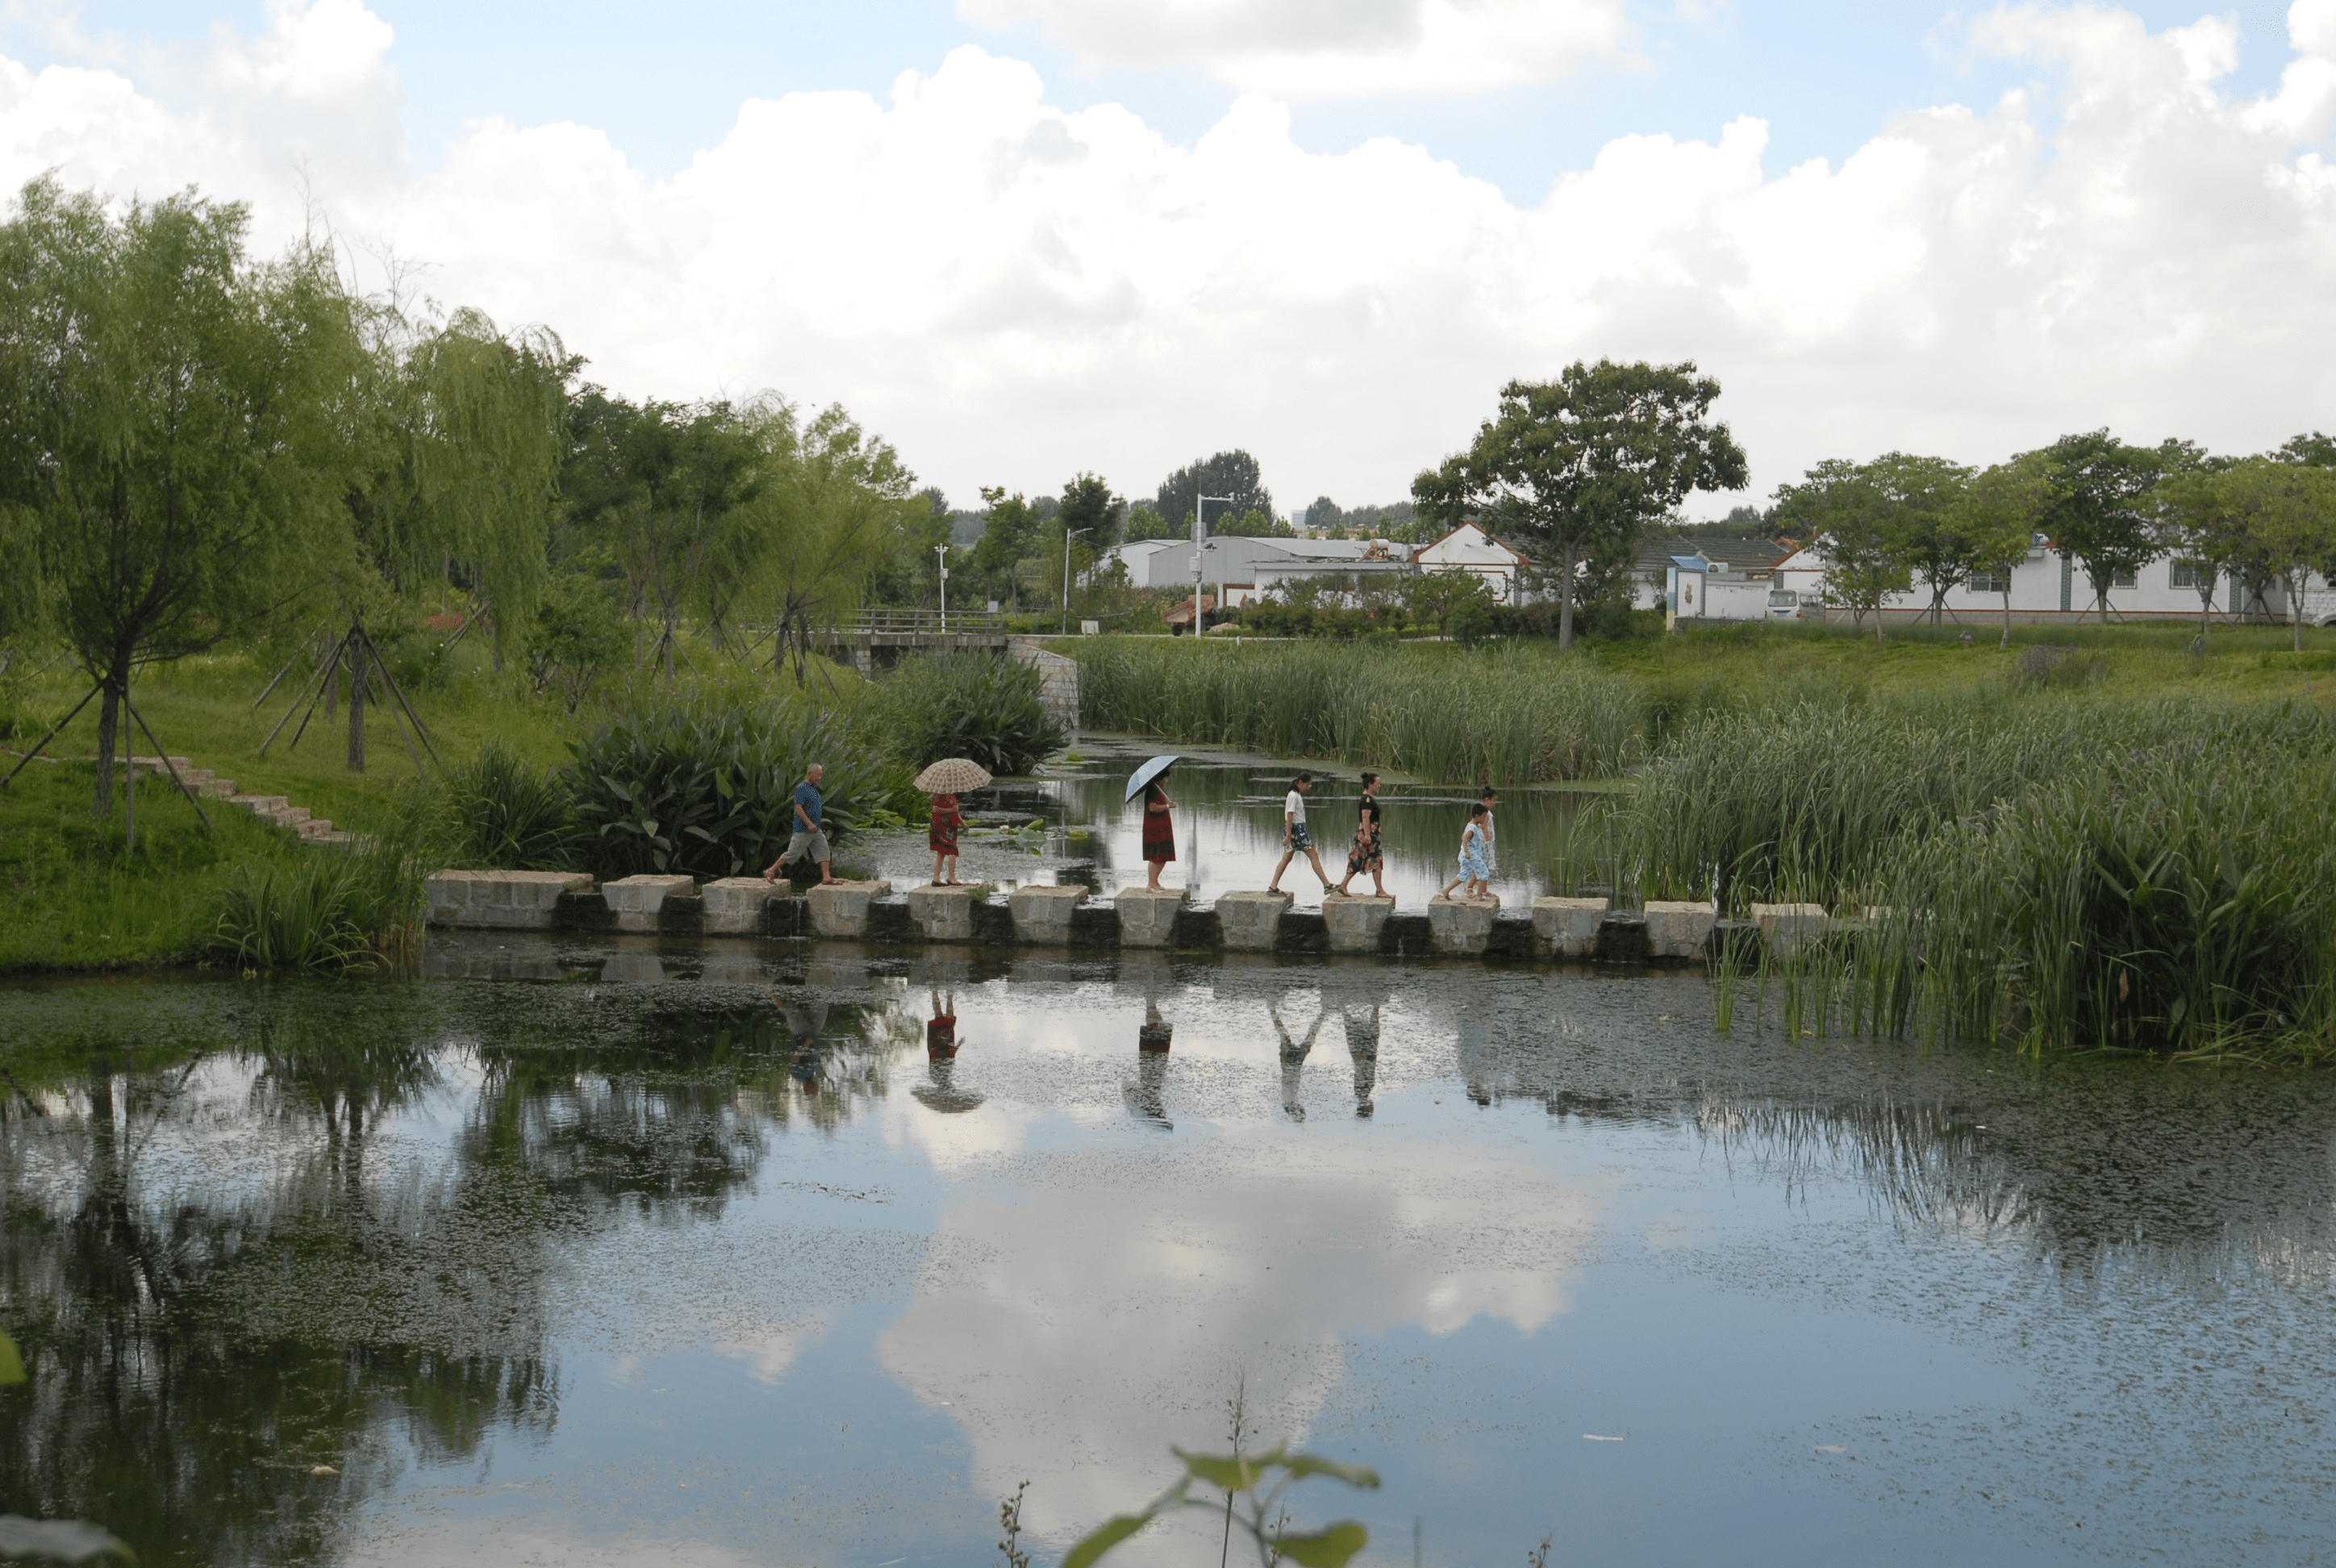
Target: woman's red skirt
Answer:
[[1159, 836]]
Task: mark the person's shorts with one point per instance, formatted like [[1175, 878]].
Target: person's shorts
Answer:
[[1301, 841], [806, 847]]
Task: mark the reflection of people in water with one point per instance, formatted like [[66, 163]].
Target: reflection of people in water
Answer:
[[806, 1018], [941, 1061], [1474, 1048], [1293, 1059], [1363, 1046], [1148, 1097]]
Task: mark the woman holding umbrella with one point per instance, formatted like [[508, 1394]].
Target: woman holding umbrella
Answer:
[[1159, 828], [943, 781]]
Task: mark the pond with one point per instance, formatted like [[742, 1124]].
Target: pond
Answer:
[[1077, 825], [732, 1267]]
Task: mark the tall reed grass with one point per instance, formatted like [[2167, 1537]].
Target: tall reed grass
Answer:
[[1508, 715], [317, 908]]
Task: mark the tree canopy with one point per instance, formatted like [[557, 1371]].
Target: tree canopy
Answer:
[[1572, 470], [1227, 475]]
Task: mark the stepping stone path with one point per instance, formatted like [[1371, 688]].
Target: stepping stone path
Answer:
[[275, 810]]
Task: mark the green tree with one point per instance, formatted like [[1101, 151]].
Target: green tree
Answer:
[[463, 443], [1254, 525], [2101, 511], [1143, 523], [1009, 534], [2312, 451], [578, 634], [2198, 527], [1925, 493], [1572, 470], [2286, 513], [656, 483], [177, 422], [1324, 516], [1227, 475], [908, 573], [1861, 537], [1998, 515], [827, 501]]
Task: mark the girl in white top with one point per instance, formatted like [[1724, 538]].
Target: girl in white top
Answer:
[[1295, 840]]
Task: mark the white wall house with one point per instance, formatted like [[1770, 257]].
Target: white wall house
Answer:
[[1468, 548], [2047, 586]]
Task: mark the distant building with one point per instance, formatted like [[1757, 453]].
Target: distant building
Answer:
[[1245, 569], [2048, 586], [1651, 574], [1469, 547]]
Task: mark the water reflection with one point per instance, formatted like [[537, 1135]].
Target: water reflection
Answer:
[[269, 1273]]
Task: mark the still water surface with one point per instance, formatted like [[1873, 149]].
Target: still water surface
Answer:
[[725, 1267]]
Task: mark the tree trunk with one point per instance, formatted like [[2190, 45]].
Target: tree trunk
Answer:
[[2296, 606], [358, 649], [2006, 609], [2205, 608], [1565, 608], [108, 719]]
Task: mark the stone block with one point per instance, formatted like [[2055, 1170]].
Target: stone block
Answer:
[[1568, 927], [839, 909], [510, 900], [1147, 916], [1621, 937], [734, 906], [635, 901], [1461, 927], [1678, 931], [1249, 923], [1784, 926], [1042, 916], [1512, 937], [942, 914], [1354, 924]]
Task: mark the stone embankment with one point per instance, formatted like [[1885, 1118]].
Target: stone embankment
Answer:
[[1584, 929]]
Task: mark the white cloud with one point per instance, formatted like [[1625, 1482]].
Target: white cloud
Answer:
[[1331, 48], [1012, 292]]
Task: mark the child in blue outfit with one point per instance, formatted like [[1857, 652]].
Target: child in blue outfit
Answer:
[[1475, 857]]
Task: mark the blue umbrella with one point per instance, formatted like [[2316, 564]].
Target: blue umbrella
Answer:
[[1146, 773]]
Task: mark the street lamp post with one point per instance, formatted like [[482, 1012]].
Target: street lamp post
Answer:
[[1066, 575], [1200, 531], [940, 555]]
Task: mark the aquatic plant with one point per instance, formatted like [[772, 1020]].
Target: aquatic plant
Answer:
[[968, 705], [707, 792], [2174, 899], [1254, 1485], [1507, 714], [509, 815]]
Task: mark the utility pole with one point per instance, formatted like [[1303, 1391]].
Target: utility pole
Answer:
[[941, 554], [1200, 532], [1073, 534]]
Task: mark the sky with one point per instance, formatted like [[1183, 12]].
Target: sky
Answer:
[[1024, 239]]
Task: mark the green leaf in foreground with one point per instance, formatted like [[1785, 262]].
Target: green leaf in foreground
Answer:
[[12, 1365], [1326, 1548]]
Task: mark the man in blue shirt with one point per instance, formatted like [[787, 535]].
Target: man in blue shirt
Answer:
[[807, 840]]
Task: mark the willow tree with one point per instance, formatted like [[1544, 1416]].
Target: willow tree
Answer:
[[462, 431], [828, 500], [172, 425]]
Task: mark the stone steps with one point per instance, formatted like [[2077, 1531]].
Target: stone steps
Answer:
[[1573, 929]]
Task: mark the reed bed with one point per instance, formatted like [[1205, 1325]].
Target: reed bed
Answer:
[[1505, 715]]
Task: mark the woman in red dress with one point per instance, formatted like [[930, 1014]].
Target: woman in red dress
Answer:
[[1159, 831], [941, 839]]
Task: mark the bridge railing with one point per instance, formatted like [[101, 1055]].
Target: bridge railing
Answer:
[[956, 622]]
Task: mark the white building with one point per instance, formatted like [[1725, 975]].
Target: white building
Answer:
[[2047, 585], [1697, 588], [1468, 548], [1242, 570]]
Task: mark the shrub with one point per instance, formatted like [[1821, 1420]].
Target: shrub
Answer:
[[707, 794], [970, 705], [325, 908], [508, 815]]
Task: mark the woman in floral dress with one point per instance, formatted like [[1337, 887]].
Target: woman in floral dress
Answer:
[[1367, 853]]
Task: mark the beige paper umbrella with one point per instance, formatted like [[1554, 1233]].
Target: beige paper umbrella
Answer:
[[953, 775]]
